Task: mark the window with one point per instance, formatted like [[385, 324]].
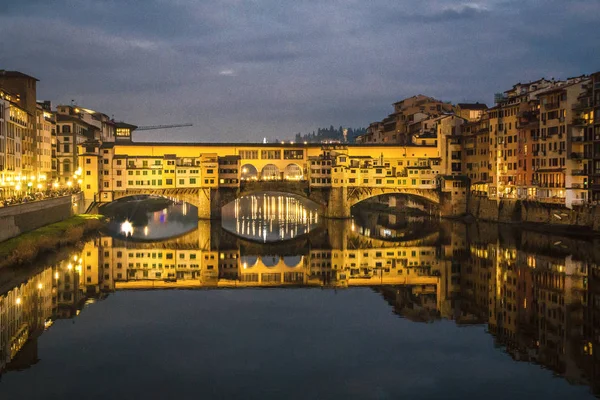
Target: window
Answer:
[[293, 154], [270, 154], [192, 181], [88, 160]]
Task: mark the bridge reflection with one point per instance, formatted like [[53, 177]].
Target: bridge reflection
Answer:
[[538, 295]]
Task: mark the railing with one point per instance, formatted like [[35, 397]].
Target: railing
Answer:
[[581, 105], [551, 185], [551, 106], [578, 172], [577, 139]]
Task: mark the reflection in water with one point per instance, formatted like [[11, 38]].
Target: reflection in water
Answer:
[[270, 217], [152, 219], [539, 300], [392, 227]]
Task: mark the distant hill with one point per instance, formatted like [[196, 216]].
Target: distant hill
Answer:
[[331, 133]]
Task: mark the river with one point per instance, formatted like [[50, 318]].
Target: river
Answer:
[[275, 302]]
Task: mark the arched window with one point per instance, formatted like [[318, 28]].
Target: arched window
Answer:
[[270, 172]]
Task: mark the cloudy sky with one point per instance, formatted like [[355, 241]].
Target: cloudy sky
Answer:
[[243, 70]]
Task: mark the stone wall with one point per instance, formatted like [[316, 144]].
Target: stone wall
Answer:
[[26, 217], [518, 211]]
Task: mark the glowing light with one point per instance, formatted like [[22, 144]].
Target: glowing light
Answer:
[[18, 301], [70, 266], [69, 183], [56, 275], [79, 181], [55, 184], [29, 184], [18, 187], [146, 230], [127, 228], [40, 286], [39, 186]]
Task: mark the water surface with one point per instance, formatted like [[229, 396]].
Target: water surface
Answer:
[[380, 307]]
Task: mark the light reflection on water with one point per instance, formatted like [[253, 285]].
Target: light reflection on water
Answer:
[[270, 217], [137, 221]]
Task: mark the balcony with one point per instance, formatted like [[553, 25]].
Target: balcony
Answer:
[[576, 156], [551, 185], [577, 139], [551, 106], [578, 172], [582, 105], [579, 121], [577, 186]]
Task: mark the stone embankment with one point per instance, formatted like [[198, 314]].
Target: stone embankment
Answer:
[[25, 217], [534, 213]]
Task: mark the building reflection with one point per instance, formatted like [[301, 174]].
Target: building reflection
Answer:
[[537, 294]]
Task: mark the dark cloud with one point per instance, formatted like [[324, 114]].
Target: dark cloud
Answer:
[[245, 70]]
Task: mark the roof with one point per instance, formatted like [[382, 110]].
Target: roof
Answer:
[[68, 118], [560, 87], [122, 124], [472, 106], [243, 145], [15, 74]]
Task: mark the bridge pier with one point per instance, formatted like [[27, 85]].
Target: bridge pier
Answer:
[[337, 203], [211, 201]]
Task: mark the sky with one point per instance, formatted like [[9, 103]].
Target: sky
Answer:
[[244, 70]]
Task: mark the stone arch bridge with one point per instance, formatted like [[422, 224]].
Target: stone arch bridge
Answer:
[[333, 202]]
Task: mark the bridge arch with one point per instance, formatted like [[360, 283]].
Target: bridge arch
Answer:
[[270, 172], [249, 172], [248, 261], [293, 172], [270, 260], [293, 261], [357, 195]]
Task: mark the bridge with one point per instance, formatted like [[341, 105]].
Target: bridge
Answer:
[[208, 176]]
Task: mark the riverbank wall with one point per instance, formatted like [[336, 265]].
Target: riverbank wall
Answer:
[[18, 219], [534, 213]]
